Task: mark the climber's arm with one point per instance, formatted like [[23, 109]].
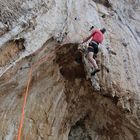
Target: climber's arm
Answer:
[[85, 40]]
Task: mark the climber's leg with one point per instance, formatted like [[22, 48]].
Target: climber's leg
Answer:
[[97, 60], [92, 60], [92, 54], [91, 66]]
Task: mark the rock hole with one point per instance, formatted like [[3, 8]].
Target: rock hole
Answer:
[[69, 60], [91, 28], [103, 16], [79, 132]]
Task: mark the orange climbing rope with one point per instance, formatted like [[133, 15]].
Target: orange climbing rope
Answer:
[[45, 58], [24, 104]]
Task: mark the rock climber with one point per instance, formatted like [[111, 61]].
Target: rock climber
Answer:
[[97, 37]]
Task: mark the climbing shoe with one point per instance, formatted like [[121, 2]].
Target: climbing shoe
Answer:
[[94, 72]]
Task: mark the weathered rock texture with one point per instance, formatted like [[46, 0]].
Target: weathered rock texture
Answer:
[[62, 103]]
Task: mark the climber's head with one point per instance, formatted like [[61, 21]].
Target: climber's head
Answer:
[[103, 30]]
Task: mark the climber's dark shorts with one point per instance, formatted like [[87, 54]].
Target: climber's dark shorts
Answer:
[[93, 47]]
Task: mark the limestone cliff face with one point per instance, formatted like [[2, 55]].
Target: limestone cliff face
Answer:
[[64, 102]]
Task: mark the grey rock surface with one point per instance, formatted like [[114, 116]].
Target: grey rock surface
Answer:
[[60, 95]]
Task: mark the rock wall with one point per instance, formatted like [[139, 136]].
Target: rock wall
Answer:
[[62, 103]]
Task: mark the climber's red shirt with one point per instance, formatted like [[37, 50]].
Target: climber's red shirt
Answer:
[[97, 36]]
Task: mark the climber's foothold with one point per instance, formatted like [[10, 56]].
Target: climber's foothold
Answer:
[[94, 72]]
